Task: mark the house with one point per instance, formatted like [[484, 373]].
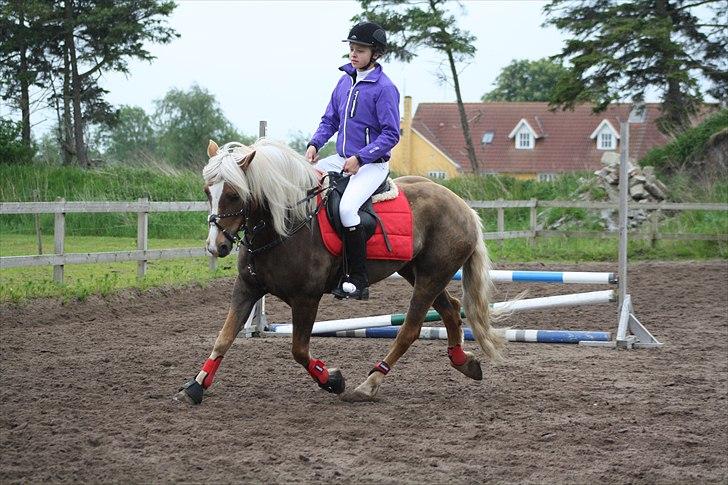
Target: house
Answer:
[[521, 139]]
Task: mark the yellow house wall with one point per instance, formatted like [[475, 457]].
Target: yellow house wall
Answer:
[[424, 158]]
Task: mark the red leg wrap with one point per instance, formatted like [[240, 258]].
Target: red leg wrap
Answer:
[[380, 366], [319, 372], [456, 354], [210, 366]]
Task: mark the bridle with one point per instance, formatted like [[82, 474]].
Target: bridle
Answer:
[[234, 238], [249, 236]]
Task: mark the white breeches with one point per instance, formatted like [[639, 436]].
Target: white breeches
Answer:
[[361, 186]]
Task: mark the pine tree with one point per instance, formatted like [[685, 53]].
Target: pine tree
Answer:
[[621, 49]]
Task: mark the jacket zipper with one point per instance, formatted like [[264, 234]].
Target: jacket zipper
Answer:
[[366, 135], [343, 146], [353, 104]]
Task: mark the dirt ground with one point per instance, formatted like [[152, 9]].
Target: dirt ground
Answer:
[[87, 387]]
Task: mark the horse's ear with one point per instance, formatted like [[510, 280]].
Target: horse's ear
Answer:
[[212, 149], [245, 162]]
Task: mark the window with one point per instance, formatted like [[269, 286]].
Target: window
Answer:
[[606, 141], [605, 135], [437, 175], [487, 138], [524, 140], [546, 177]]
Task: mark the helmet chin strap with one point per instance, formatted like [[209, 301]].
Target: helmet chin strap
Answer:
[[372, 61]]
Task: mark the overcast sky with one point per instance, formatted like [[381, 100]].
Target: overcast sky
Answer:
[[277, 60]]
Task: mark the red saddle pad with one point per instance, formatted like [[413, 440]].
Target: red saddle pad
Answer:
[[396, 215]]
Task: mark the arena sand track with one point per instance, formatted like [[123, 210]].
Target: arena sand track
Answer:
[[86, 395]]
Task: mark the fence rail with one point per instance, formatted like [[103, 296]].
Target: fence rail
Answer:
[[144, 207]]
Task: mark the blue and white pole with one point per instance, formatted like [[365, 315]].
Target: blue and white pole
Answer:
[[511, 335], [563, 277]]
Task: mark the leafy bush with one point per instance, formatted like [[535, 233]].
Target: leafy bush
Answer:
[[12, 150], [686, 148]]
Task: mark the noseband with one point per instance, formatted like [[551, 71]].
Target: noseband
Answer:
[[234, 237]]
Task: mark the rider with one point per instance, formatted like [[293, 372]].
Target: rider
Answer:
[[364, 110]]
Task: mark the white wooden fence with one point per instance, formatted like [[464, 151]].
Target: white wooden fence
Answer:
[[144, 207]]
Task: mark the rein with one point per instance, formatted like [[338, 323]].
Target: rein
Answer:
[[249, 236]]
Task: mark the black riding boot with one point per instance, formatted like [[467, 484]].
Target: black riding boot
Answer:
[[355, 283]]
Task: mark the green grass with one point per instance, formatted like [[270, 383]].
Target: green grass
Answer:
[[25, 183], [82, 280]]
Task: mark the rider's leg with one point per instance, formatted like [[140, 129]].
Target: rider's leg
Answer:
[[361, 186], [332, 163]]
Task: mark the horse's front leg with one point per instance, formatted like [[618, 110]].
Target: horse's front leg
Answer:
[[304, 314], [244, 297]]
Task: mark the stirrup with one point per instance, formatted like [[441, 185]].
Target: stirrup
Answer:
[[340, 294]]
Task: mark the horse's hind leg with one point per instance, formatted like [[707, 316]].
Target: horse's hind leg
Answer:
[[449, 309], [304, 314], [242, 304], [425, 291]]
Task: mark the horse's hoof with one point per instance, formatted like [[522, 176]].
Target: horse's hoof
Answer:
[[357, 396], [190, 393], [336, 383], [470, 368]]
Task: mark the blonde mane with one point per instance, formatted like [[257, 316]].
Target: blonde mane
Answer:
[[277, 178]]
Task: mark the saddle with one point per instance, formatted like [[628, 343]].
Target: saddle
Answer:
[[369, 218]]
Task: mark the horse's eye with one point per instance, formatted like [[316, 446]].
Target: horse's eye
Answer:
[[233, 197]]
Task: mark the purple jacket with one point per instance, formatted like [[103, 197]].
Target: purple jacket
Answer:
[[366, 115]]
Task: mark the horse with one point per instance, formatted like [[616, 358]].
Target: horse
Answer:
[[266, 191]]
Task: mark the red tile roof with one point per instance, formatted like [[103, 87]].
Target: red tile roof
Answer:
[[563, 144]]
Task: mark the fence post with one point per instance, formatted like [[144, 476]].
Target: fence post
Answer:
[[258, 315], [59, 236], [501, 224], [142, 235], [654, 223], [534, 204], [623, 208], [38, 235]]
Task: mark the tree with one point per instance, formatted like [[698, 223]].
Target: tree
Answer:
[[186, 120], [131, 137], [524, 80], [65, 46], [428, 24], [621, 49], [102, 36], [22, 42]]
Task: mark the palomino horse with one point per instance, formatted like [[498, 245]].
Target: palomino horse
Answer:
[[265, 190]]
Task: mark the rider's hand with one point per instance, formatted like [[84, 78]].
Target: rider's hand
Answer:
[[312, 154], [351, 165]]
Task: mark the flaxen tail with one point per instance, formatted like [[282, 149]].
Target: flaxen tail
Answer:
[[476, 297]]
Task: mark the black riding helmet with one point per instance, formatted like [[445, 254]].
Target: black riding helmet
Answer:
[[370, 34]]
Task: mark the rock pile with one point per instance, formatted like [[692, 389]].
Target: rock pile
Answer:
[[643, 187]]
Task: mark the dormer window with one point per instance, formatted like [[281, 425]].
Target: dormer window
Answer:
[[523, 135], [606, 136], [524, 140], [606, 141]]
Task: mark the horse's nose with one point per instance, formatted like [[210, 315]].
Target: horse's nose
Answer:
[[223, 250], [211, 248]]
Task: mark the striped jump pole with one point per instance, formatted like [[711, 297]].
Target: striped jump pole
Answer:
[[564, 277], [514, 306], [511, 335]]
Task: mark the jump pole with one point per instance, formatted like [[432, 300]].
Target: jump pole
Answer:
[[397, 319], [565, 277], [511, 335]]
